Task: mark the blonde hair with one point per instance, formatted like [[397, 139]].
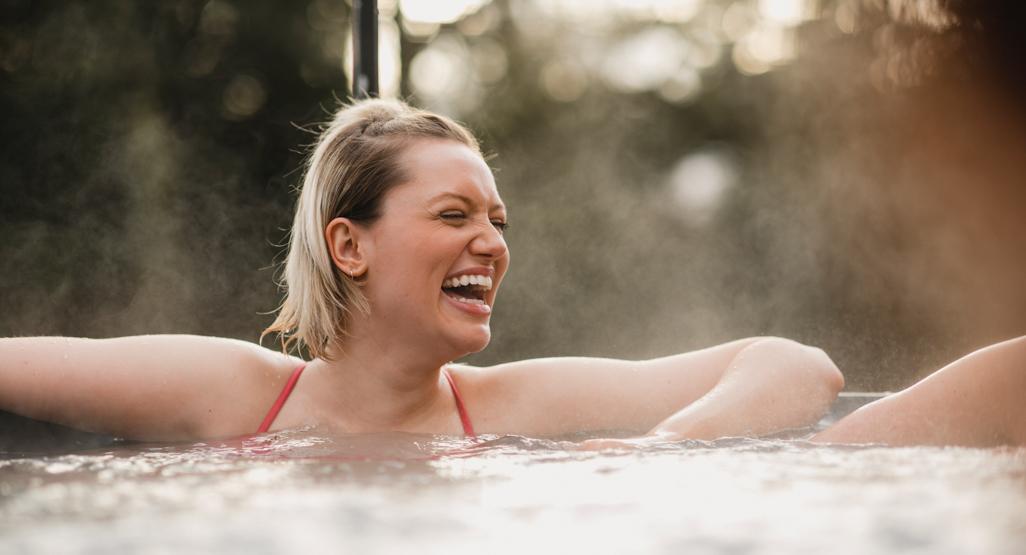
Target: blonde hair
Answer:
[[353, 164]]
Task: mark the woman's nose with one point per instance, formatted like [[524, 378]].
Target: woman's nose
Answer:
[[489, 242]]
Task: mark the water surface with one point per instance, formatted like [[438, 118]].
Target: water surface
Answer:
[[299, 491]]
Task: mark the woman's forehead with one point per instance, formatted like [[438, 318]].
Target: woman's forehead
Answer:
[[440, 169]]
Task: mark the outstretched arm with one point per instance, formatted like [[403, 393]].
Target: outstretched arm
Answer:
[[979, 400], [746, 387], [156, 387], [768, 387]]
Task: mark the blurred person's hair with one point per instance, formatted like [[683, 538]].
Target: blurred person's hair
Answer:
[[354, 163]]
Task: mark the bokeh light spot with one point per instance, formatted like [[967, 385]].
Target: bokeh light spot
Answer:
[[764, 47], [788, 12], [326, 15], [420, 31], [564, 81], [219, 19], [845, 16], [738, 19], [444, 74], [480, 22], [644, 60], [489, 60], [700, 181], [438, 11], [432, 72], [244, 96], [684, 86]]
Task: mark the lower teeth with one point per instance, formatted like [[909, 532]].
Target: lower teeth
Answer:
[[469, 301]]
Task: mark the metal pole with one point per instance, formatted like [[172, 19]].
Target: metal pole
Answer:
[[365, 48]]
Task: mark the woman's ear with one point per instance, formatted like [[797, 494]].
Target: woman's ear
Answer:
[[343, 236]]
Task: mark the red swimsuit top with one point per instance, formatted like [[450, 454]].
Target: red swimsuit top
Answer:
[[468, 428]]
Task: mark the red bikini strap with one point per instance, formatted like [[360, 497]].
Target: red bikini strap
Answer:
[[468, 428], [282, 397]]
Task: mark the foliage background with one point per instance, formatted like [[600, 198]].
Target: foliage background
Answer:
[[851, 177]]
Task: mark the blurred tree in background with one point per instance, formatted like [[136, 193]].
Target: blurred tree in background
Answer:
[[680, 172]]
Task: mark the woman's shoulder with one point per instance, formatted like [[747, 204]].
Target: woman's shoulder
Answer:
[[256, 358], [225, 360], [506, 398], [504, 379], [240, 381], [263, 372]]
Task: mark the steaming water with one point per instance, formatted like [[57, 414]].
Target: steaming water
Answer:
[[397, 493]]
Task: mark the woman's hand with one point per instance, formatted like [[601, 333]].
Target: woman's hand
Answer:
[[770, 386]]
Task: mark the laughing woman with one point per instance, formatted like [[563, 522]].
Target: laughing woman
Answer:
[[395, 260], [396, 257]]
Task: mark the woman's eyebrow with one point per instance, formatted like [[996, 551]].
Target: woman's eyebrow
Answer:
[[466, 199]]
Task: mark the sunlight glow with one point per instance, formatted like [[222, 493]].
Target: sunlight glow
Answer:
[[788, 12], [765, 46], [595, 11], [438, 11], [670, 11], [645, 60]]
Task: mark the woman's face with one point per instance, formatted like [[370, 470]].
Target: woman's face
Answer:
[[436, 255]]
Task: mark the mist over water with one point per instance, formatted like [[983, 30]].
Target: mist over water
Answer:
[[845, 175]]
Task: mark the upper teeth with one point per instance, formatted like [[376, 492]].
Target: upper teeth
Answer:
[[460, 281]]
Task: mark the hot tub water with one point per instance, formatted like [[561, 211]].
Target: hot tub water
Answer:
[[393, 493]]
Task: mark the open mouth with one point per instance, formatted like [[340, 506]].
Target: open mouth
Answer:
[[470, 289]]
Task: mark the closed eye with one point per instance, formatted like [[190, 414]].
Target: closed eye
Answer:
[[452, 215], [458, 216]]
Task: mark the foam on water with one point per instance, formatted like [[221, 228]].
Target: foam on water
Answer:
[[301, 491]]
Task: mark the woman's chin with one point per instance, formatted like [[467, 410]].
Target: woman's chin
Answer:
[[472, 342]]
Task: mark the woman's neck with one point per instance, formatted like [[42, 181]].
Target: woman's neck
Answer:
[[373, 386]]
